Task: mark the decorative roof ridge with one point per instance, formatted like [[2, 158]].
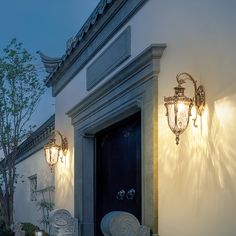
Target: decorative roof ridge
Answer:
[[48, 59], [49, 63], [74, 41], [39, 135], [99, 10]]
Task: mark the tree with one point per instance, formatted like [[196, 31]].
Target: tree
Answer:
[[20, 91]]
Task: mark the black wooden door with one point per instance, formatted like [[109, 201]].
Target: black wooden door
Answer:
[[118, 169]]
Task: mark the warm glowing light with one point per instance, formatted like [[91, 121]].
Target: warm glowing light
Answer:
[[54, 151], [179, 106], [51, 154], [205, 162], [64, 178], [178, 117], [225, 109], [178, 110]]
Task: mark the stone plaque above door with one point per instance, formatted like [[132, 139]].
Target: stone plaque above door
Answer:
[[112, 57]]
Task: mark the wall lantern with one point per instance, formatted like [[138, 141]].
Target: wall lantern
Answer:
[[53, 151], [178, 107]]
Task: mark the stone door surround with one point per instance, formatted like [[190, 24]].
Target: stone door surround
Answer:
[[134, 88]]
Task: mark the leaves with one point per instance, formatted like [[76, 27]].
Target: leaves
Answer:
[[46, 205], [20, 91], [43, 204]]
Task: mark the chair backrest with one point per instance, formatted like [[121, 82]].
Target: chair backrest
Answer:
[[62, 223], [120, 223]]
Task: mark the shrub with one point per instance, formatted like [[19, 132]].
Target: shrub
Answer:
[[4, 231], [29, 229]]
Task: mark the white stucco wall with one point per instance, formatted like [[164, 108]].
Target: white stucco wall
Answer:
[[197, 179], [26, 210]]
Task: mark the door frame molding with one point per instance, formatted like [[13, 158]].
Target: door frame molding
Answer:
[[117, 127], [133, 89]]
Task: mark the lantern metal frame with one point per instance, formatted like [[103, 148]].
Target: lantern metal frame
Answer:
[[61, 148], [198, 101]]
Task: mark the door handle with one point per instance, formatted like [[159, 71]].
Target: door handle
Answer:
[[120, 195], [130, 194]]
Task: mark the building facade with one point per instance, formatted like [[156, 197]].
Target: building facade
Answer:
[[34, 177], [109, 90]]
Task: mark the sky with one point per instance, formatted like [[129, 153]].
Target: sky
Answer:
[[43, 25]]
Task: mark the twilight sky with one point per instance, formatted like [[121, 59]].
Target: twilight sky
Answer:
[[43, 25]]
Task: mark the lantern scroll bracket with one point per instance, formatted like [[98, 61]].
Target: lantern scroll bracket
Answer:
[[179, 106]]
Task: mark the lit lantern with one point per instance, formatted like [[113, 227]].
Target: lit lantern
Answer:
[[178, 110], [178, 107], [53, 151]]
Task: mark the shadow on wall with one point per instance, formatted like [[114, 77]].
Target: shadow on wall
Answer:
[[64, 181], [205, 160]]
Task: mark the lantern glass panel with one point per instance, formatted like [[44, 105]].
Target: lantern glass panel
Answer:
[[182, 115], [52, 153], [178, 116]]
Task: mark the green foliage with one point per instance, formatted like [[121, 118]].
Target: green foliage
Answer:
[[45, 234], [3, 229], [46, 205], [20, 91], [29, 229]]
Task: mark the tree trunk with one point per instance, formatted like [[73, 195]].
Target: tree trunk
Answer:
[[7, 211]]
